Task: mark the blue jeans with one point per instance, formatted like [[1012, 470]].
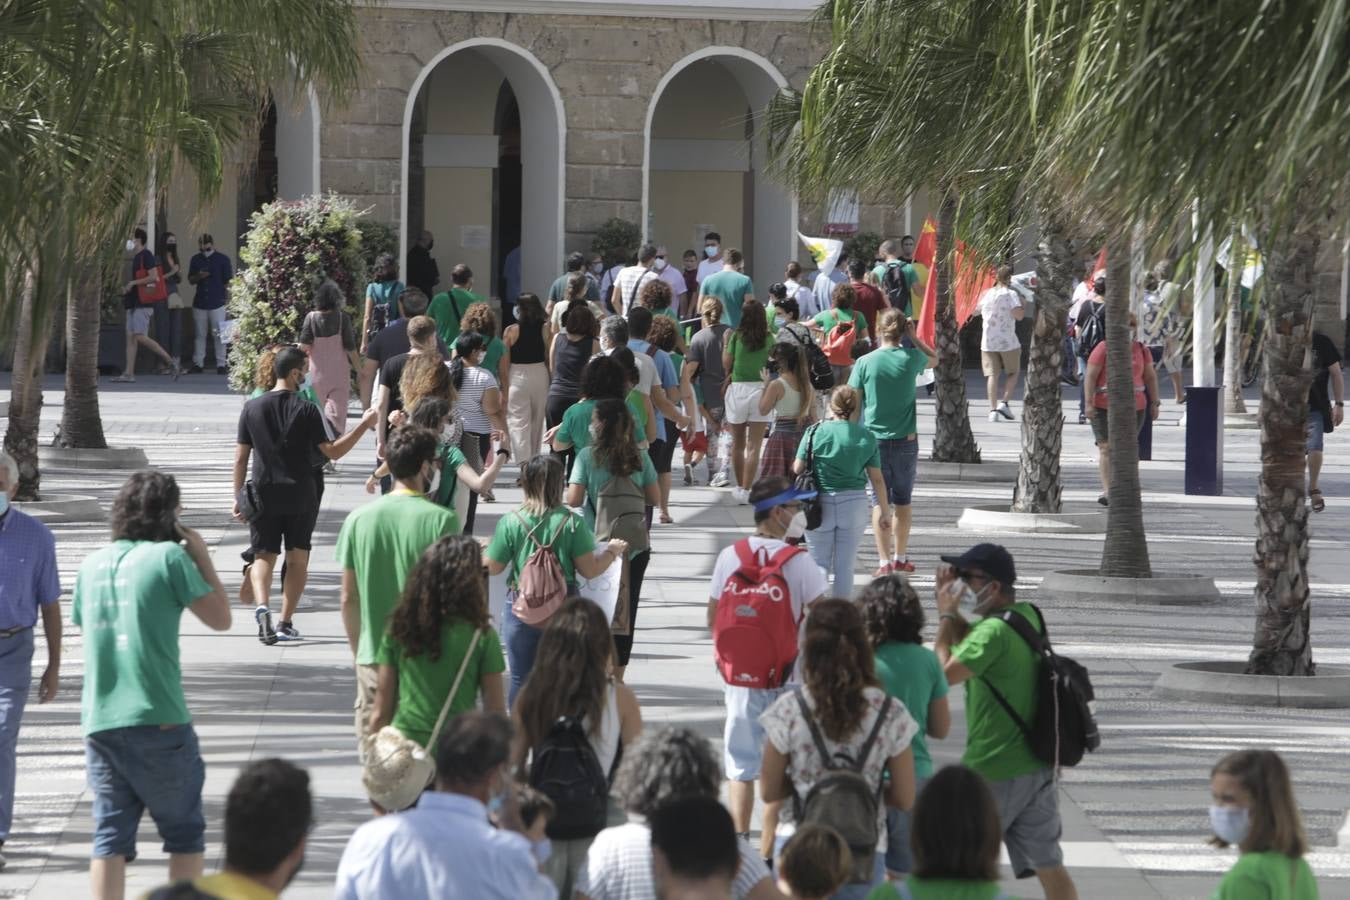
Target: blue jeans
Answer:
[[146, 767], [899, 858], [16, 661], [834, 545], [522, 641]]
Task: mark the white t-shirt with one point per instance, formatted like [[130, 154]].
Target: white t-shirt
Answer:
[[1000, 328], [630, 283], [674, 276], [806, 582], [1082, 291], [618, 866], [806, 300], [708, 267]]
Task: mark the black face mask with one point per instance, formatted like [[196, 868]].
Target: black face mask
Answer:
[[430, 244]]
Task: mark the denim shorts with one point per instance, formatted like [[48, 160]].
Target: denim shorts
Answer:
[[146, 767], [1316, 430], [743, 737], [899, 463]]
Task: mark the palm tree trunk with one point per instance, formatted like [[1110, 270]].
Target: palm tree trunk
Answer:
[[1038, 483], [25, 401], [1125, 553], [81, 424], [1232, 333], [953, 440], [1282, 644]]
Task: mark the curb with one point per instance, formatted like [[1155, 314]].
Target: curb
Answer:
[[1167, 589], [987, 471], [1244, 421], [1216, 681], [88, 458], [64, 508], [1002, 519]]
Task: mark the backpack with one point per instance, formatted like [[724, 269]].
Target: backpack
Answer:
[[621, 512], [1093, 331], [566, 770], [843, 799], [754, 632], [895, 286], [540, 584], [818, 366], [838, 343], [1063, 728]]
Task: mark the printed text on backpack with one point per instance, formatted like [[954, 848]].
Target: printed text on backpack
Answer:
[[754, 631]]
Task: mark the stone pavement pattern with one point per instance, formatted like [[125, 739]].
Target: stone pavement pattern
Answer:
[[1135, 813]]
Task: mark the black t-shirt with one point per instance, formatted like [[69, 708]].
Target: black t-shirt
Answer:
[[393, 340], [390, 375], [142, 260], [1324, 356], [284, 431]]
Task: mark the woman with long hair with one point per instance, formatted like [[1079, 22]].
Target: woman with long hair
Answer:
[[845, 460], [602, 378], [572, 348], [526, 385], [840, 703], [541, 521], [575, 295], [327, 336], [381, 308], [613, 454], [479, 405], [573, 677], [1254, 810], [430, 633], [743, 358], [479, 317], [168, 316], [664, 335], [790, 399], [703, 378], [911, 673]]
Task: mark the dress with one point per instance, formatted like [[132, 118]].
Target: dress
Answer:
[[328, 362]]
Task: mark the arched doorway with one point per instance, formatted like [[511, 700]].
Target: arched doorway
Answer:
[[706, 160], [483, 164]]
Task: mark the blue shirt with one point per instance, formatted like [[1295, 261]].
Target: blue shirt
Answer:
[[665, 374], [211, 291], [28, 577], [444, 848]]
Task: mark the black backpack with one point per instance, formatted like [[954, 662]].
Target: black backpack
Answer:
[[1093, 331], [565, 769], [817, 364], [896, 287], [1063, 728]]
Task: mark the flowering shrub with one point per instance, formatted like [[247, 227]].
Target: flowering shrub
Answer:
[[290, 248]]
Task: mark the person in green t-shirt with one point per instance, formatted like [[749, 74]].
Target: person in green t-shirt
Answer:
[[428, 639], [885, 379], [956, 801], [845, 461], [823, 323], [744, 356], [603, 377], [990, 655], [911, 673], [1255, 810], [541, 521], [377, 547], [449, 307], [141, 750], [731, 286]]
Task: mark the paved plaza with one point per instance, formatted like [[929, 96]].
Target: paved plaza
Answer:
[[1135, 812]]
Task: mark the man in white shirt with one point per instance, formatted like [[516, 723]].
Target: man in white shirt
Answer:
[[1000, 350], [807, 307], [823, 286], [446, 847], [711, 264], [630, 280], [671, 275]]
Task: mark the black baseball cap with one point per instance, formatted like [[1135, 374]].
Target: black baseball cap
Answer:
[[992, 559]]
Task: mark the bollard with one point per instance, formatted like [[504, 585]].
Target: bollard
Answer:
[[1204, 441]]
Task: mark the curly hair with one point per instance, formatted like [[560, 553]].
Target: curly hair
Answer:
[[264, 371], [146, 508], [844, 296], [603, 378], [892, 612], [663, 334], [479, 317], [570, 676], [656, 295], [424, 376], [615, 448], [753, 332], [430, 605], [837, 666], [665, 764]]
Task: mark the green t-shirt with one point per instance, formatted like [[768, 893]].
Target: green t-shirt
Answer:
[[423, 683], [669, 314], [747, 364], [843, 450], [995, 746], [640, 423], [381, 542], [1267, 876], [885, 377], [567, 533], [594, 476], [832, 317], [911, 278], [307, 393], [940, 889], [575, 427], [451, 459], [495, 349], [912, 674], [447, 313], [731, 288], [128, 599]]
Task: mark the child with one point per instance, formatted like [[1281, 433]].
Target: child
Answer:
[[814, 863], [1254, 809], [535, 812]]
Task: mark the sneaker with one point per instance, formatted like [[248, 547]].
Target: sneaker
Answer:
[[740, 495], [195, 370], [221, 370], [720, 480], [263, 616], [883, 570], [904, 566], [1103, 500], [1004, 411], [994, 416], [176, 370], [286, 632], [688, 475], [1082, 419], [1068, 378]]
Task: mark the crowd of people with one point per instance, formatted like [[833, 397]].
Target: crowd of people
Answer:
[[502, 752]]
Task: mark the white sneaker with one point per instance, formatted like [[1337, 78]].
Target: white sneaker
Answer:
[[1004, 411], [993, 416], [740, 495], [720, 480]]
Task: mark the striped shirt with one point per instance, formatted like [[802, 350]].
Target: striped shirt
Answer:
[[618, 866], [477, 381]]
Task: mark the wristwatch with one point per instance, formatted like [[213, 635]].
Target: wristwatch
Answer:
[[501, 451]]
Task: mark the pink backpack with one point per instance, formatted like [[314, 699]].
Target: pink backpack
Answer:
[[541, 586]]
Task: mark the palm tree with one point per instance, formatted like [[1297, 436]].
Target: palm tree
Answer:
[[953, 440]]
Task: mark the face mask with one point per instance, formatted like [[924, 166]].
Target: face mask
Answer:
[[971, 600], [430, 244], [515, 311], [131, 245], [1230, 823], [779, 320], [208, 251], [4, 502], [172, 244], [433, 482], [597, 268], [796, 527], [497, 800], [447, 433], [542, 850], [305, 383], [711, 251], [658, 264]]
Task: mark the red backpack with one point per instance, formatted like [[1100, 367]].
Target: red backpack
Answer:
[[838, 341], [754, 632]]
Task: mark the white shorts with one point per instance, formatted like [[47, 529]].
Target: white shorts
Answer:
[[138, 319], [742, 403]]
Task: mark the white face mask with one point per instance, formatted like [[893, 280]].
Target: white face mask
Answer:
[[711, 251], [434, 481], [1230, 823], [658, 264], [972, 600], [131, 245], [4, 502], [796, 527], [597, 268]]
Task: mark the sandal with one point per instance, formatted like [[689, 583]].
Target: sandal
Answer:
[[666, 519], [1318, 504]]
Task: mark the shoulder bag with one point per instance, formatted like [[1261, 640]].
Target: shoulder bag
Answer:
[[806, 481]]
